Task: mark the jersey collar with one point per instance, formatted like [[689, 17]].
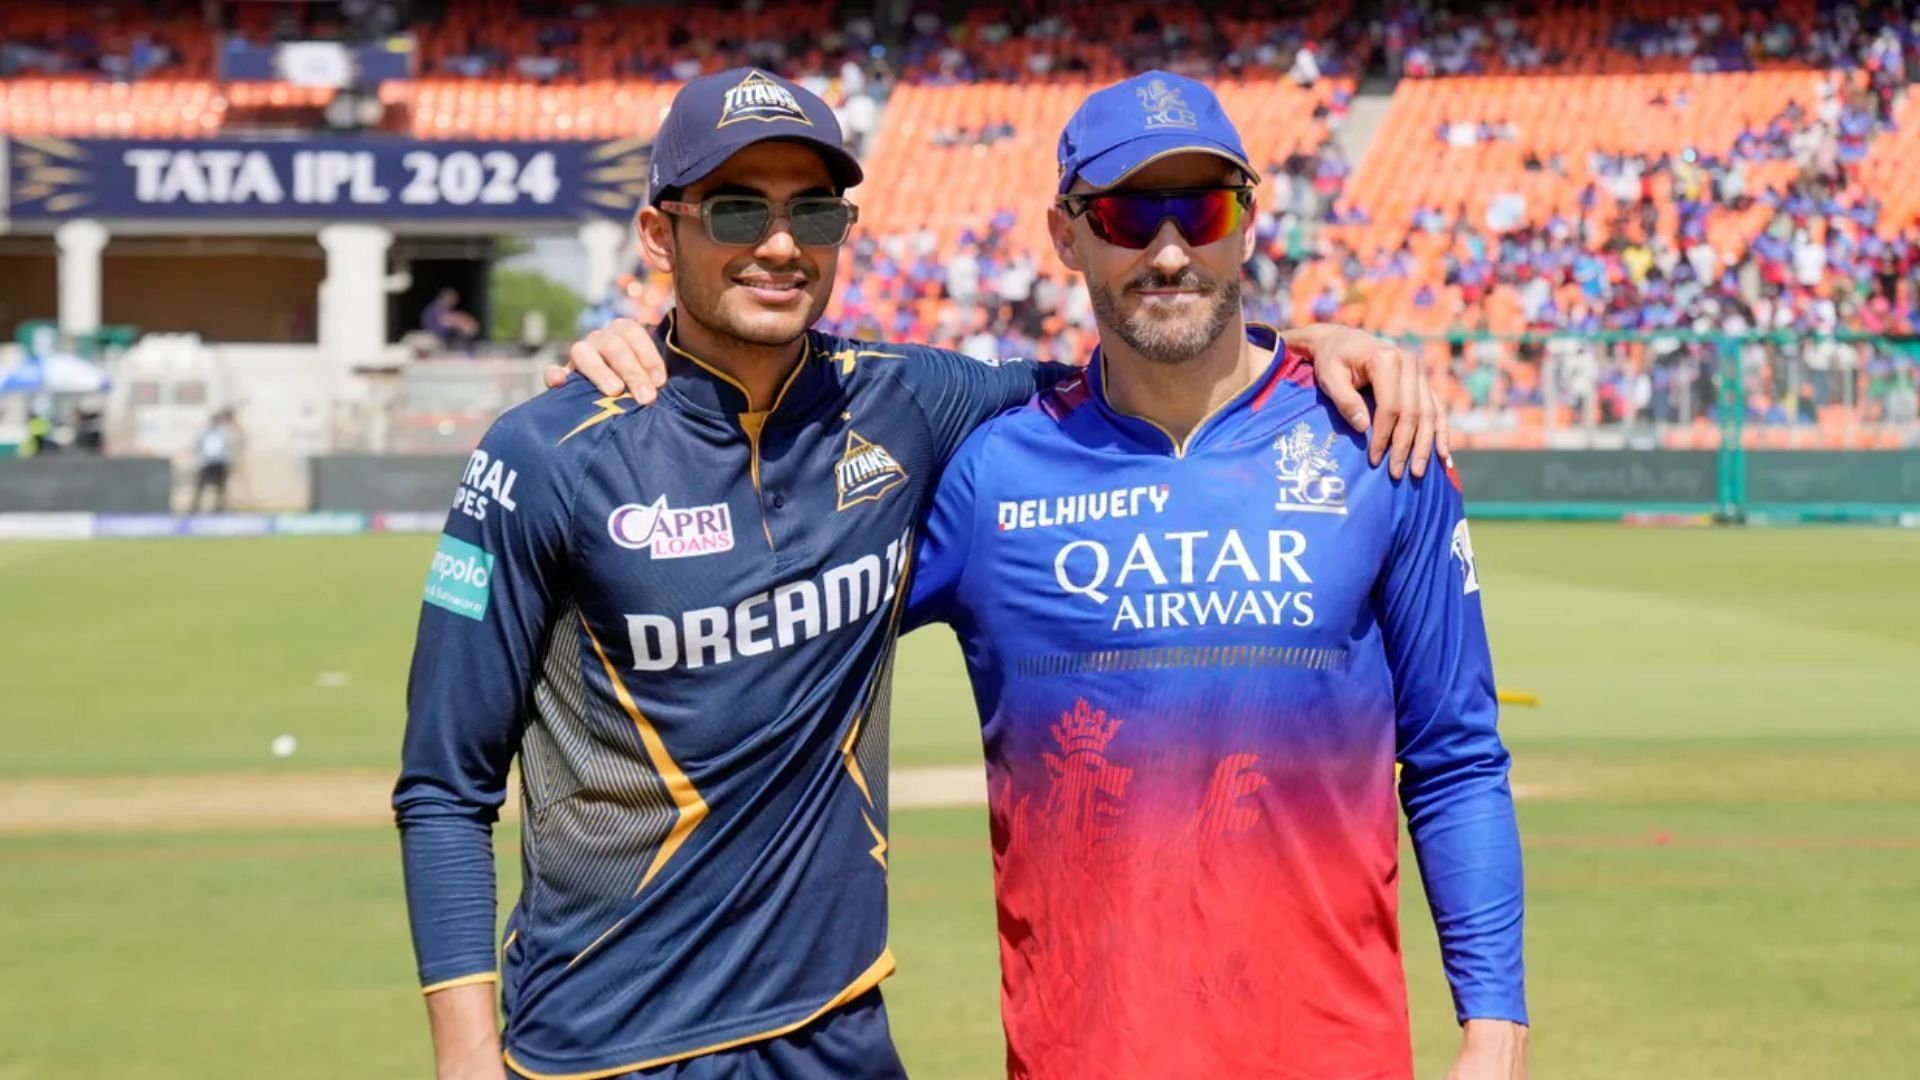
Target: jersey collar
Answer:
[[704, 388], [1283, 366]]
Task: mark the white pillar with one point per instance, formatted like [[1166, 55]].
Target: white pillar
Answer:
[[80, 242], [353, 296], [604, 241]]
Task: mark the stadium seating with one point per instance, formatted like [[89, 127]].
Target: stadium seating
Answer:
[[1107, 42], [1891, 166], [1440, 229], [626, 42], [465, 108], [953, 190], [1410, 167], [1605, 37], [167, 37], [165, 108]]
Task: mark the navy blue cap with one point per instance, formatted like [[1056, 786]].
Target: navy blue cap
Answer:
[[1147, 117], [717, 116]]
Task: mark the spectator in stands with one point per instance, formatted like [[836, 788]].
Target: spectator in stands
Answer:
[[443, 318], [214, 453], [1306, 66]]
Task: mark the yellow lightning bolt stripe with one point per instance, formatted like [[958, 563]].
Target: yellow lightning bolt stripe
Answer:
[[879, 848], [609, 408], [873, 690], [853, 734], [847, 358], [692, 808]]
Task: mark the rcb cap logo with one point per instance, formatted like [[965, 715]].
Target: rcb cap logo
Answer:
[[758, 97], [1165, 107]]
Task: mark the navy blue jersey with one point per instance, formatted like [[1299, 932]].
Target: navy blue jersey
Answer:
[[1197, 664], [681, 619]]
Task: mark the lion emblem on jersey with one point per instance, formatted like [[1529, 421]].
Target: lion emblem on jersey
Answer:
[[1308, 472], [1086, 789]]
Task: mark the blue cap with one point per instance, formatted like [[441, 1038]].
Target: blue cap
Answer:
[[1147, 117], [717, 116]]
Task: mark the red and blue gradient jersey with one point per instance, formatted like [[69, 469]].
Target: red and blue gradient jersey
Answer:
[[1197, 666]]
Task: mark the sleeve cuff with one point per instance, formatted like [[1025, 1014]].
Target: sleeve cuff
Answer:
[[1514, 1011], [464, 980]]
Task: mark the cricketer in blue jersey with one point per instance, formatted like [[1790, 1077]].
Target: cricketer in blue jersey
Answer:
[[1201, 631], [681, 620]]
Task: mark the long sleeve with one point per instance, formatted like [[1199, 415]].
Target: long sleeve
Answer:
[[490, 593], [1454, 767]]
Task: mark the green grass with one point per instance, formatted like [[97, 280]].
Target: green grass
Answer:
[[1723, 852], [163, 656], [178, 656]]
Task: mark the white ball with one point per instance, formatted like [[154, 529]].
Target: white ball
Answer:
[[285, 745]]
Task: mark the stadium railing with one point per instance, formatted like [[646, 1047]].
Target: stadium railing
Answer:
[[1758, 427]]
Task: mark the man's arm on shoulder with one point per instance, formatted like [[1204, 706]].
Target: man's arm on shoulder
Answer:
[[946, 539], [1405, 424], [490, 590], [1453, 782]]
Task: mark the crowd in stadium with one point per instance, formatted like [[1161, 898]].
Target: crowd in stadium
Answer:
[[1822, 263], [1778, 229], [1420, 40], [987, 297]]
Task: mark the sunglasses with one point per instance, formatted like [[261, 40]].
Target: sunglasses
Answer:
[[742, 220], [1131, 219]]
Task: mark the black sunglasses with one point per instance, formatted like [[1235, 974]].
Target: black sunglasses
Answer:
[[741, 220]]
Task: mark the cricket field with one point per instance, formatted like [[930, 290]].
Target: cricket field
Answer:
[[1719, 798]]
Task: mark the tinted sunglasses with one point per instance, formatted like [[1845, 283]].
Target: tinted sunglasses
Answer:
[[1131, 219], [742, 220]]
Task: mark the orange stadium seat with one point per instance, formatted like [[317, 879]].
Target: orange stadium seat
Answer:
[[77, 107], [1580, 36], [1892, 164], [1409, 166], [911, 182]]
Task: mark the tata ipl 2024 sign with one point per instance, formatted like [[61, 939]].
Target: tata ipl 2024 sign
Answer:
[[365, 179]]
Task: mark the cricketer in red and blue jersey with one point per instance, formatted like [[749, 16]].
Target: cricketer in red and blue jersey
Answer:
[[1196, 669]]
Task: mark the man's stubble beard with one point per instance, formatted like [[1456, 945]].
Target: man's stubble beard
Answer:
[[1163, 343]]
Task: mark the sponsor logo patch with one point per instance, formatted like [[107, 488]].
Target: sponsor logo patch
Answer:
[[865, 471], [487, 483], [461, 578], [790, 614], [672, 532], [1308, 473], [1462, 549], [1160, 580], [1082, 506]]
